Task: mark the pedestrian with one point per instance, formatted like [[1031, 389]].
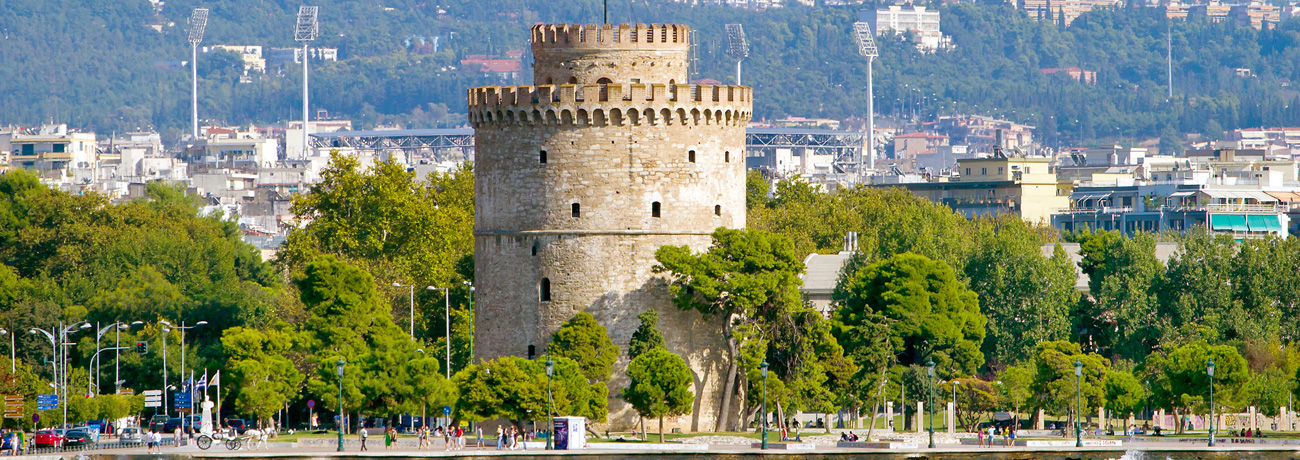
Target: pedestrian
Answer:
[[361, 433], [388, 438], [979, 436], [501, 440], [479, 431]]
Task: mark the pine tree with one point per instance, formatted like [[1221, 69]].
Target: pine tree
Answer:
[[646, 336]]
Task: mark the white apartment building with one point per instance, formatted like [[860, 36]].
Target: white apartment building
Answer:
[[920, 23]]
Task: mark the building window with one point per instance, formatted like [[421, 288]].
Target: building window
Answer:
[[999, 171], [532, 352], [654, 209], [534, 248], [577, 210], [541, 157], [545, 294], [717, 210], [984, 171], [967, 171], [1026, 170], [690, 156], [726, 157]]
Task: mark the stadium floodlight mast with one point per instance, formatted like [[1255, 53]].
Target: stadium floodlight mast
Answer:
[[198, 22], [305, 31], [867, 48], [737, 46]]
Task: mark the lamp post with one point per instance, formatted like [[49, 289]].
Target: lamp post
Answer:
[[1209, 369], [446, 311], [764, 371], [58, 338], [412, 301], [338, 366], [184, 387], [116, 326], [1078, 402], [550, 370], [13, 366], [929, 371]]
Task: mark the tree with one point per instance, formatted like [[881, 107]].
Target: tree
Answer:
[[1026, 297], [1055, 384], [931, 314], [647, 336], [751, 279], [514, 388], [1124, 275], [660, 386], [262, 378], [585, 341], [1013, 387], [1124, 395], [1189, 382]]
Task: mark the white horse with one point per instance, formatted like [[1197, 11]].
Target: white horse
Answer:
[[256, 439]]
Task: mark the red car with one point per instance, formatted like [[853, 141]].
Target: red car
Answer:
[[49, 438]]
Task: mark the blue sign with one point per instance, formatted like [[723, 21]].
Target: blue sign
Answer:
[[183, 401], [47, 402], [446, 410]]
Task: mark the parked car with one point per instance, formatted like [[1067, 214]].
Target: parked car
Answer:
[[130, 435], [79, 437], [9, 443], [172, 425], [48, 438], [238, 424], [90, 431], [195, 423], [157, 422]]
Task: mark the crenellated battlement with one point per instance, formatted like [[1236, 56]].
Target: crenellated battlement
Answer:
[[616, 36], [637, 103]]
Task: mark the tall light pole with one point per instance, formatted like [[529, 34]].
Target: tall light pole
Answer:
[[867, 48], [13, 366], [550, 417], [1209, 369], [58, 338], [1078, 403], [198, 22], [338, 366], [737, 46], [412, 288], [473, 318], [184, 386], [764, 367], [446, 310], [929, 371], [117, 325], [305, 32]]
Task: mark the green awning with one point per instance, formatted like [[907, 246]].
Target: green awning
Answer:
[[1228, 223], [1264, 223]]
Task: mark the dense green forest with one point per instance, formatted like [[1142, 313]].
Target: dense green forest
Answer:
[[92, 64]]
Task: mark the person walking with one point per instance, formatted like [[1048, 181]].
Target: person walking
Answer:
[[362, 434], [479, 430]]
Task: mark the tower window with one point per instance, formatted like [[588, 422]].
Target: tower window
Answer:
[[532, 352], [546, 290], [690, 156], [717, 210], [654, 209], [534, 248], [726, 157], [541, 157], [577, 210]]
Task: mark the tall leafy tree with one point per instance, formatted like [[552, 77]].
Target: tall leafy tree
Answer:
[[931, 315], [586, 342], [660, 386], [262, 377], [1188, 379], [1124, 395], [646, 337], [1055, 386], [1124, 275]]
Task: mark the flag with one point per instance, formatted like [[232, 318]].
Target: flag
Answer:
[[203, 381], [216, 379]]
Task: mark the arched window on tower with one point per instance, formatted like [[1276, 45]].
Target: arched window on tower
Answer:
[[654, 209], [541, 157], [717, 210], [690, 156], [726, 156], [545, 290], [604, 81], [577, 210], [535, 248]]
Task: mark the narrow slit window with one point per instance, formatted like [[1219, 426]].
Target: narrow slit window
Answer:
[[690, 156], [654, 209], [577, 210], [726, 157], [541, 157], [717, 210], [546, 290], [534, 248]]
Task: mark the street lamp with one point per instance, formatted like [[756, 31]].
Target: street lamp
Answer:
[[929, 371], [58, 339], [550, 370], [184, 386], [1209, 369], [412, 288], [13, 366], [446, 310], [117, 327], [764, 367], [338, 366], [1078, 402]]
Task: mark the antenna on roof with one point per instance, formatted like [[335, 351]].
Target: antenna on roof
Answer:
[[198, 23], [737, 46], [305, 31], [867, 48]]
